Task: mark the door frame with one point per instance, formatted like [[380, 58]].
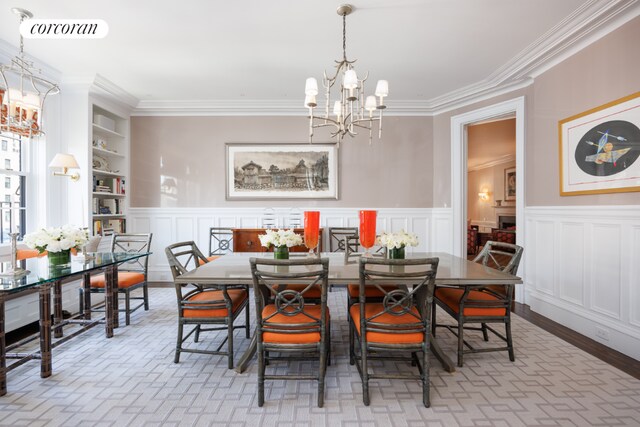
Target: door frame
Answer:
[[459, 177]]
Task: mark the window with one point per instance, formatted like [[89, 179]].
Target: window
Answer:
[[12, 196]]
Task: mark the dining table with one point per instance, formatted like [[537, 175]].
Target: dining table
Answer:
[[40, 276], [234, 269]]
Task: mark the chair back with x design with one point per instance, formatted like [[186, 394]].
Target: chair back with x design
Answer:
[[133, 243]]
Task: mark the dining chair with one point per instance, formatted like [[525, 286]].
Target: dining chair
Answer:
[[399, 323], [220, 241], [295, 218], [337, 235], [286, 322], [269, 219], [351, 255], [481, 304], [206, 308], [132, 275]]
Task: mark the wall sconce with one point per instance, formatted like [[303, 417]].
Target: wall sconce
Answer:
[[65, 162], [484, 195]]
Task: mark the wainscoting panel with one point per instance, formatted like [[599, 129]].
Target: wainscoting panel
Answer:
[[605, 269], [583, 271], [571, 266], [170, 225], [634, 274]]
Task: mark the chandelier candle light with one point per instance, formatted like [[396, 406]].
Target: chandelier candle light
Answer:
[[23, 92], [351, 109]]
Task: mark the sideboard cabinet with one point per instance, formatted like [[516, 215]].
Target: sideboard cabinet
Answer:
[[247, 240]]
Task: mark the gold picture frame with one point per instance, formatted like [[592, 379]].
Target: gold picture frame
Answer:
[[599, 149]]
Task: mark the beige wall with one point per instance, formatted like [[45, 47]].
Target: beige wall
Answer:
[[605, 71], [192, 150], [600, 73], [415, 150], [492, 180]]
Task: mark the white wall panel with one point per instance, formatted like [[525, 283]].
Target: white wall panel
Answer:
[[605, 269], [171, 225], [545, 256], [571, 266], [634, 277], [582, 271]]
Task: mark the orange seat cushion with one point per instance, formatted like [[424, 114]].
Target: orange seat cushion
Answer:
[[238, 297], [209, 259], [314, 292], [372, 309], [28, 253], [451, 297], [126, 279], [369, 291], [302, 338]]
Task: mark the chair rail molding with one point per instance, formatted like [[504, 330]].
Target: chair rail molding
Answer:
[[582, 270], [171, 225]]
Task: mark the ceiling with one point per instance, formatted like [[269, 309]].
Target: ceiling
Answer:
[[260, 50]]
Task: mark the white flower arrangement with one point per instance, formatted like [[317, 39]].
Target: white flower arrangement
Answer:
[[280, 238], [397, 240], [57, 239]]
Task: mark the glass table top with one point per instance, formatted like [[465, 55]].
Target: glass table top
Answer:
[[41, 272]]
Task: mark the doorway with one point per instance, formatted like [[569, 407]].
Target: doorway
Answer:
[[459, 184], [491, 172]]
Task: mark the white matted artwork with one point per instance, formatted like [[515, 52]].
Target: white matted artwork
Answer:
[[600, 149], [281, 171]]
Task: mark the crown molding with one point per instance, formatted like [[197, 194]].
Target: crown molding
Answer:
[[494, 162], [587, 24], [255, 108], [113, 92]]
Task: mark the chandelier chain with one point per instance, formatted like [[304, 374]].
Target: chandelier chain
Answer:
[[344, 36]]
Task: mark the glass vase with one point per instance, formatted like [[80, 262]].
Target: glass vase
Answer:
[[59, 259], [368, 230], [281, 252], [396, 253]]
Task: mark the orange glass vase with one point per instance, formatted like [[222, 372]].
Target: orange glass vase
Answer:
[[311, 229], [368, 229]]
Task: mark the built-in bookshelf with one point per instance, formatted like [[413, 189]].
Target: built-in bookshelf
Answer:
[[109, 150]]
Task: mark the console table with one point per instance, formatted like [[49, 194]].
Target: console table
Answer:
[[246, 240], [43, 278]]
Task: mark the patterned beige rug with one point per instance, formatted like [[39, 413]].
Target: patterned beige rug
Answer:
[[132, 380]]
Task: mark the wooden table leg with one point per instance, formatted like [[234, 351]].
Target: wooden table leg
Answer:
[[45, 330], [116, 309], [243, 363], [57, 308], [86, 295], [108, 301], [3, 350]]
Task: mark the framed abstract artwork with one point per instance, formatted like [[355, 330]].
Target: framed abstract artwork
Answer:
[[599, 149], [257, 171], [510, 184]]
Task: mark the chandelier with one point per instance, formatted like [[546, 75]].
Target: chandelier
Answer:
[[351, 110], [23, 92]]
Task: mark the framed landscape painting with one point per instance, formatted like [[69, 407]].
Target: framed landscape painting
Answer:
[[281, 171], [599, 149]]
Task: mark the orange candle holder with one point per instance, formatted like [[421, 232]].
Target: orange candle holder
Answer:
[[311, 230], [368, 229]]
